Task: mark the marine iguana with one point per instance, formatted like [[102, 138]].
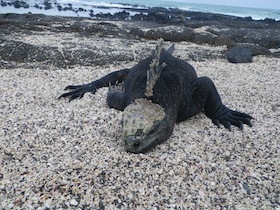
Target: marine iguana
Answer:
[[155, 94]]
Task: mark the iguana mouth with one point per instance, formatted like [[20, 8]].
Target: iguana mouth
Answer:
[[141, 120]]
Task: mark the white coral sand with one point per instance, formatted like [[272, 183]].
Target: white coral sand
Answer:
[[55, 154]]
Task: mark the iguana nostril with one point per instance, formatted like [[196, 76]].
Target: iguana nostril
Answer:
[[132, 140]]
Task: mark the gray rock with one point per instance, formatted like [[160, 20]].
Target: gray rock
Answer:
[[268, 38], [255, 48], [240, 54], [21, 52], [73, 54], [276, 54]]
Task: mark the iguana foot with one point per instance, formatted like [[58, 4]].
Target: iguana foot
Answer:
[[78, 91], [229, 117]]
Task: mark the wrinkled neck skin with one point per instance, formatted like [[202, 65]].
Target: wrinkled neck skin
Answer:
[[143, 139]]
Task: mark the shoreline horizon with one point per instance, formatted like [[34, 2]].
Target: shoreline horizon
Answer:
[[103, 8]]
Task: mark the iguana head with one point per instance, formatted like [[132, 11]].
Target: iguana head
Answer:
[[142, 125]]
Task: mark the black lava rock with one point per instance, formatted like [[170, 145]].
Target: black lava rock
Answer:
[[255, 48], [240, 54], [48, 5], [19, 4]]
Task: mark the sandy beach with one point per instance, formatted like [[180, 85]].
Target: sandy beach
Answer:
[[60, 155]]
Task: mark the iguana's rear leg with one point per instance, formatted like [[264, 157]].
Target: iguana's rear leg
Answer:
[[78, 91], [206, 97]]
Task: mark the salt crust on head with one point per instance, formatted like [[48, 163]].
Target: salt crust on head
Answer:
[[141, 115]]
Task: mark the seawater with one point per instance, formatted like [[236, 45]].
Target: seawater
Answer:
[[113, 6], [255, 13]]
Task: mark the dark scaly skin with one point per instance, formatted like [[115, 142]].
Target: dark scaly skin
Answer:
[[178, 90]]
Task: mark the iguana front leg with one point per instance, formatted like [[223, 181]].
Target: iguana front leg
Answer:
[[116, 96], [206, 97], [78, 91]]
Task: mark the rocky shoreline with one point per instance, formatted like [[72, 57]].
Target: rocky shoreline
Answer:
[[257, 37], [120, 11]]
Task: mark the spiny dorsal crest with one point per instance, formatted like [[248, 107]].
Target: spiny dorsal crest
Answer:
[[155, 69]]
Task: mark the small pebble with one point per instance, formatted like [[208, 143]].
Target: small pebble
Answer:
[[48, 203], [73, 202]]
